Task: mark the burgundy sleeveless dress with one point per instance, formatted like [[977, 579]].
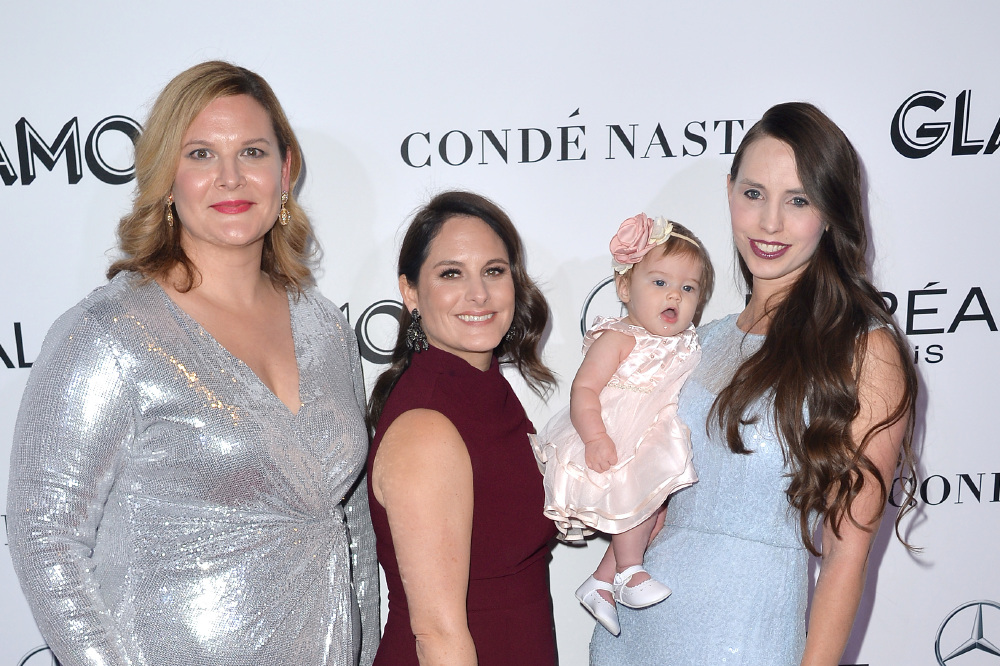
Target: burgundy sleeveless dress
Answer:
[[509, 607]]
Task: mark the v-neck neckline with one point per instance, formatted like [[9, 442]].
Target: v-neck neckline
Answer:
[[237, 361]]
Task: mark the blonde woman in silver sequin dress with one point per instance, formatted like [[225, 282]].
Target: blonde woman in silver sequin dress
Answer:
[[184, 476]]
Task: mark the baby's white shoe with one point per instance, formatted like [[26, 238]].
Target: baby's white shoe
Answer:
[[642, 595], [604, 612]]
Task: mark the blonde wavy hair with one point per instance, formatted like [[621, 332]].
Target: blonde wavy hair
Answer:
[[148, 244]]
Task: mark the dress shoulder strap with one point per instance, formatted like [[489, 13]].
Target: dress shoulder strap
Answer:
[[602, 324]]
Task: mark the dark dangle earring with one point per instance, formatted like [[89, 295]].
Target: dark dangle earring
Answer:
[[510, 334], [416, 341]]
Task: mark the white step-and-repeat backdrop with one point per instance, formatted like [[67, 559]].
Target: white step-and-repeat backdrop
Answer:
[[573, 116]]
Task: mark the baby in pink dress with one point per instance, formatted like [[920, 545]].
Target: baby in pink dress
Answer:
[[614, 455]]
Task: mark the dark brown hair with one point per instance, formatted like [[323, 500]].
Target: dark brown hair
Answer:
[[531, 312], [674, 245], [816, 341], [150, 246]]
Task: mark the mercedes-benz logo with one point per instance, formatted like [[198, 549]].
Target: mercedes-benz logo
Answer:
[[964, 630], [39, 655], [608, 303]]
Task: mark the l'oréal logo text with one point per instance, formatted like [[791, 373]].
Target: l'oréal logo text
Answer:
[[571, 142], [6, 359]]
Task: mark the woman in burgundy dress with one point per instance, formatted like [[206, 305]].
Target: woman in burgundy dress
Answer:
[[456, 498]]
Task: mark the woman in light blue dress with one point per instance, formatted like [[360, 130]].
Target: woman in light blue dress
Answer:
[[799, 411]]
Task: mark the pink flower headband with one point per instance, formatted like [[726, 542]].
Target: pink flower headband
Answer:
[[638, 235]]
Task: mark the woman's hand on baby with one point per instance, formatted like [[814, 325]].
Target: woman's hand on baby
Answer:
[[601, 454]]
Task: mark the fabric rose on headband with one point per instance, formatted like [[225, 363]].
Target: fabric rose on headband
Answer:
[[635, 238]]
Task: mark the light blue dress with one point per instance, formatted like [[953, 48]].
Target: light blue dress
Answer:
[[730, 549]]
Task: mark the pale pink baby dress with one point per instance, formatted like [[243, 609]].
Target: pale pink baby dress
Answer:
[[639, 408]]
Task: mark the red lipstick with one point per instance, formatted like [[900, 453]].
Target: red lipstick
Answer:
[[232, 207]]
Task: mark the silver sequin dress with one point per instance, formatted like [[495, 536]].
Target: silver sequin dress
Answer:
[[165, 508], [730, 549]]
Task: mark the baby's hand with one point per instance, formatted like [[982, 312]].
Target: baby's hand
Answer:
[[600, 454]]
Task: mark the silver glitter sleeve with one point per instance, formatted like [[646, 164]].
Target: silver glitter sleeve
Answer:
[[73, 425], [364, 566]]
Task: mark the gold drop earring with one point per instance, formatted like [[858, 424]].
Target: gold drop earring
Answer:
[[283, 215]]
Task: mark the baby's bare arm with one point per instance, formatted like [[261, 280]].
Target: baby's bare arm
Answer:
[[599, 365]]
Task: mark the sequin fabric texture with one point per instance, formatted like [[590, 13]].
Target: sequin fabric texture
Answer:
[[165, 508], [730, 549]]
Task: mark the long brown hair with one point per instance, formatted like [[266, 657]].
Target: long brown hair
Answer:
[[150, 246], [816, 340], [531, 312]]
